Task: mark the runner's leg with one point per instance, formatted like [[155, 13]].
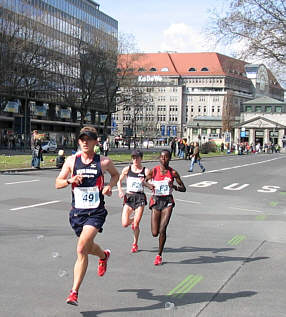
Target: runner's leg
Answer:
[[137, 219], [85, 246], [155, 222], [126, 213], [164, 221]]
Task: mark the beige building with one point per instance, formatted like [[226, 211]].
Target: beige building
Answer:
[[189, 95], [263, 120]]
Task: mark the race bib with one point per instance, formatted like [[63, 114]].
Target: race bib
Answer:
[[134, 184], [162, 188], [86, 197]]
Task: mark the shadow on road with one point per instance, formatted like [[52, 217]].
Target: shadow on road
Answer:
[[187, 299]]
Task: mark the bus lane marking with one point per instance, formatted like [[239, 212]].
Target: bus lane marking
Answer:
[[236, 240], [185, 286]]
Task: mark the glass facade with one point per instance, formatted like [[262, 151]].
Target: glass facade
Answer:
[[58, 25], [68, 19]]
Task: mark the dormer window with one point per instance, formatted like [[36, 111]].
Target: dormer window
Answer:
[[153, 69], [165, 69], [204, 69], [141, 69], [192, 69]]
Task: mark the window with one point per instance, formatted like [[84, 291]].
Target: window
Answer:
[[268, 109], [248, 109], [141, 69], [258, 109], [153, 69], [204, 69], [213, 131], [204, 131], [278, 109], [195, 131], [165, 69], [192, 69]]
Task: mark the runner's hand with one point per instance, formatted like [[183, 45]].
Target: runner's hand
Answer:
[[107, 190]]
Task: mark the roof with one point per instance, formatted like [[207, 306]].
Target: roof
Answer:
[[185, 64], [149, 64], [262, 119], [188, 65], [264, 101], [208, 64]]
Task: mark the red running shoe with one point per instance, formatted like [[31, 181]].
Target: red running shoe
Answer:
[[158, 260], [134, 248], [102, 264], [72, 299]]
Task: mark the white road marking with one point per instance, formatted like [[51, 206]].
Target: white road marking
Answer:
[[21, 182], [36, 205], [229, 168], [187, 201], [245, 209]]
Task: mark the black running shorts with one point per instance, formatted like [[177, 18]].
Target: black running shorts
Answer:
[[89, 217], [161, 202], [135, 200]]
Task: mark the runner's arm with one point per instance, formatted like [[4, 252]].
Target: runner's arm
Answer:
[[181, 187], [63, 179], [121, 178], [107, 165], [147, 178]]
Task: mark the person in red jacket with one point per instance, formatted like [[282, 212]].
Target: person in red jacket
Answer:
[[162, 201]]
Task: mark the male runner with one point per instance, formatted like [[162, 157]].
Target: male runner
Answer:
[[85, 172], [162, 202], [135, 198]]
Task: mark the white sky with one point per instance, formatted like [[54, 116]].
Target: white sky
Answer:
[[161, 25]]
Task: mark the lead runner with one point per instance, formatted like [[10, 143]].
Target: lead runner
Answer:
[[84, 171]]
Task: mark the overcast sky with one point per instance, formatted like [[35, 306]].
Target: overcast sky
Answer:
[[160, 25]]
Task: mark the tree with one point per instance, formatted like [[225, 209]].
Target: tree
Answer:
[[260, 25], [23, 64]]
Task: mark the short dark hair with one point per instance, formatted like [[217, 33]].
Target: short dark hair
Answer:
[[136, 153], [166, 151]]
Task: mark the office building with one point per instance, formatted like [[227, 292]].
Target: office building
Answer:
[[60, 24]]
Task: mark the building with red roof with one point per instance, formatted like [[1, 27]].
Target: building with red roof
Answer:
[[197, 96]]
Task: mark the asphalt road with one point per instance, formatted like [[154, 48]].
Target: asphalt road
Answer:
[[224, 255]]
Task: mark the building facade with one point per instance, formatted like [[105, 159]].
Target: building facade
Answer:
[[194, 94], [61, 23], [263, 121]]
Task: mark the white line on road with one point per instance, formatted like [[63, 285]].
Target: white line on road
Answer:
[[36, 205], [188, 201], [229, 168], [31, 181], [245, 209]]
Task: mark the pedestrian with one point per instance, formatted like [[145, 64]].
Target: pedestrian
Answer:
[[195, 158], [134, 198], [84, 171], [181, 149], [173, 147], [162, 202], [187, 151], [37, 154], [60, 160], [106, 146]]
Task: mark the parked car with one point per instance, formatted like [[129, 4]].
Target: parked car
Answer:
[[49, 146]]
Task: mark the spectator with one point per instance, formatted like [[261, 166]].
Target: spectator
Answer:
[[37, 156], [60, 159], [106, 147]]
